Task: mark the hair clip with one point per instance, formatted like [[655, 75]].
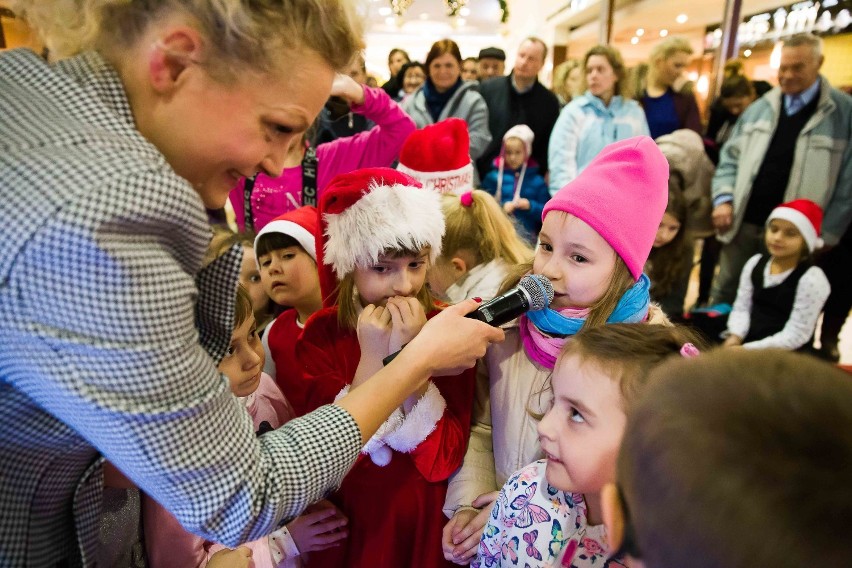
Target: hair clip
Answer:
[[689, 350], [466, 198]]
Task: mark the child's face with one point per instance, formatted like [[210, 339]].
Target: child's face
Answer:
[[575, 258], [515, 154], [290, 277], [581, 433], [244, 361], [667, 230], [391, 276], [250, 279], [783, 240]]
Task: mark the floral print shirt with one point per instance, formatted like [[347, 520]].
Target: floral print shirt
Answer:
[[532, 522]]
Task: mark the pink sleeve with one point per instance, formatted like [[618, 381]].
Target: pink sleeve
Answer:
[[377, 147], [167, 543]]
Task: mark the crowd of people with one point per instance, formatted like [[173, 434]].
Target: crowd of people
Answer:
[[269, 263]]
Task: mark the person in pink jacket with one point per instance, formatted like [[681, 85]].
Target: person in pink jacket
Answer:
[[169, 545], [308, 170]]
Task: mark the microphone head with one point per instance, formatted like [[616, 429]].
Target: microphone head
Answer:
[[538, 289]]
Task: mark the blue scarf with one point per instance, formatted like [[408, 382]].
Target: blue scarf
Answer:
[[631, 308], [435, 101]]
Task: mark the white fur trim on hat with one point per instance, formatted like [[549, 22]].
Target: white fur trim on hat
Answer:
[[418, 423], [304, 237], [800, 220], [386, 217], [453, 181]]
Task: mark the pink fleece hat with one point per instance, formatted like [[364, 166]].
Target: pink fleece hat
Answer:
[[622, 194]]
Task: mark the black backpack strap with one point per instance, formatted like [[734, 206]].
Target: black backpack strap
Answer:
[[248, 218]]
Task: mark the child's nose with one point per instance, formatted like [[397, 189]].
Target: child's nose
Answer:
[[404, 285], [251, 359]]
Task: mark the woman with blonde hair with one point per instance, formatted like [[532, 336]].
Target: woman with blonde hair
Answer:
[[150, 112], [567, 81], [667, 109]]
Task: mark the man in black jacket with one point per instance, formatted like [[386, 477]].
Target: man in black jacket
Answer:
[[519, 98]]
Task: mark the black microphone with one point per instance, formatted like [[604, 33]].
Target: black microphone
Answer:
[[533, 292]]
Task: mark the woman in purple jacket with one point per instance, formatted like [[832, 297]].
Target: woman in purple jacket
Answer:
[[308, 170]]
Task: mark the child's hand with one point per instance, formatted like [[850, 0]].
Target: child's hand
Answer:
[[374, 330], [462, 534], [238, 558], [407, 319], [733, 341], [523, 204], [509, 207], [320, 527], [347, 88]]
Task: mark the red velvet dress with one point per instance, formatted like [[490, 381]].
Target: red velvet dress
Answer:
[[394, 511]]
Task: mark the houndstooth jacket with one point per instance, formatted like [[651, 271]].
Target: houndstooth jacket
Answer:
[[99, 351]]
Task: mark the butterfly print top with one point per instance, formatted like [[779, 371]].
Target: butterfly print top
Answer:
[[532, 522]]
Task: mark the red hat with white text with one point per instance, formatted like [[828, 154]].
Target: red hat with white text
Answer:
[[438, 156]]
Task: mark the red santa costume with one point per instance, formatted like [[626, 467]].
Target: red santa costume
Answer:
[[394, 493]]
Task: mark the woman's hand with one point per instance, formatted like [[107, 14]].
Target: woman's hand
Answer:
[[238, 558], [407, 319], [462, 534], [449, 343], [374, 330], [320, 527], [348, 89]]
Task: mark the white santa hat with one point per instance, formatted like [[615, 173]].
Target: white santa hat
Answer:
[[369, 211], [806, 216]]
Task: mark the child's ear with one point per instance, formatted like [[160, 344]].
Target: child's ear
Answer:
[[459, 266], [613, 515], [175, 52]]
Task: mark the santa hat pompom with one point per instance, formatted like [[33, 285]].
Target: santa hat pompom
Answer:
[[806, 216], [438, 156], [369, 211]]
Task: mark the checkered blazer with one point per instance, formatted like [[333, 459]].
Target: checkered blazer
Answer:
[[102, 314]]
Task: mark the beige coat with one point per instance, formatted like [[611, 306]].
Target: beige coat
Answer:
[[503, 433]]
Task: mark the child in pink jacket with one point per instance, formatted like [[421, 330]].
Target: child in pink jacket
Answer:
[[377, 147], [169, 545]]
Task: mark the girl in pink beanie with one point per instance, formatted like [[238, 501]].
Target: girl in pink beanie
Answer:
[[596, 235]]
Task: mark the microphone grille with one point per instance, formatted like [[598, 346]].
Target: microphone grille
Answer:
[[538, 289]]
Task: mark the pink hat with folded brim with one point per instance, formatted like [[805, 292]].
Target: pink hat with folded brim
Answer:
[[621, 194]]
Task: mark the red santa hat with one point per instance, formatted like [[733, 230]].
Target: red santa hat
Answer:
[[806, 216], [301, 224], [438, 156], [369, 211]]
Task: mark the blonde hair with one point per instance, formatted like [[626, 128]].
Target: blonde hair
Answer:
[[348, 304], [668, 47], [243, 307], [560, 75], [222, 241], [482, 229], [239, 34]]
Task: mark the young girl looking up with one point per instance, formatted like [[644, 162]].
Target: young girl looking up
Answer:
[[382, 231], [781, 293], [595, 239], [670, 261], [480, 245], [286, 255], [168, 544], [516, 183], [554, 502]]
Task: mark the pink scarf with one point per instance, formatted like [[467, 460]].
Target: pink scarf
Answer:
[[541, 348]]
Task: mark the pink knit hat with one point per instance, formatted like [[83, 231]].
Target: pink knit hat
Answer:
[[622, 194]]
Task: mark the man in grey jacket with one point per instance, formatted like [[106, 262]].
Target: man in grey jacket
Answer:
[[791, 143]]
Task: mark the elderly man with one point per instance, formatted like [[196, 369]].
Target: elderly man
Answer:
[[791, 143], [520, 99], [490, 63]]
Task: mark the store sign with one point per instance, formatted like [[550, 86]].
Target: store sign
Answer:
[[822, 18]]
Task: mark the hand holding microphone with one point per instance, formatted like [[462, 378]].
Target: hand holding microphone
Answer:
[[533, 292]]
